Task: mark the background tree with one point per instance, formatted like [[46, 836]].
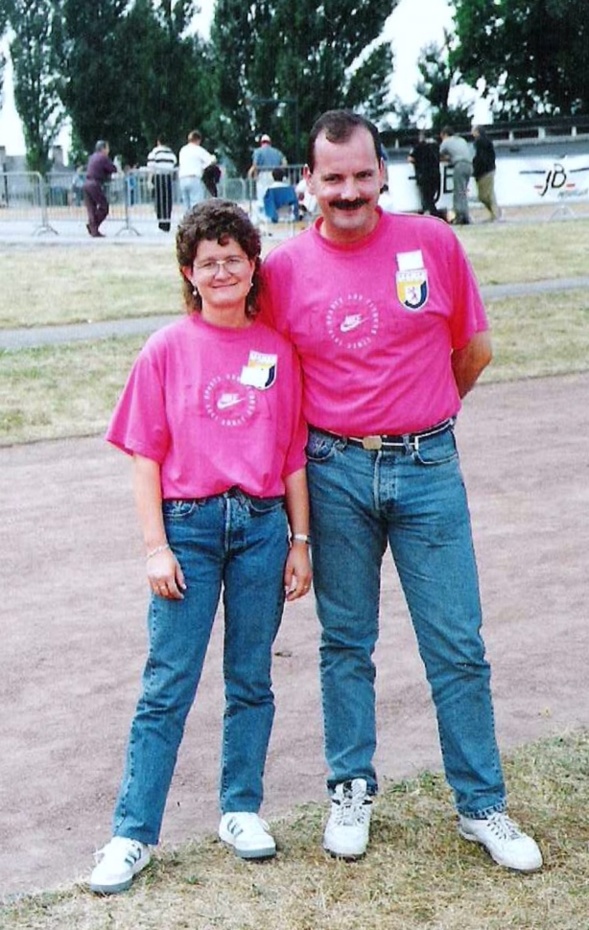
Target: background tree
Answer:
[[36, 27], [133, 70], [436, 82], [530, 54], [278, 65]]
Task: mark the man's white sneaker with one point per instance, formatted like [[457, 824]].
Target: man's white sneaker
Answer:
[[348, 828], [248, 834], [504, 841], [119, 862]]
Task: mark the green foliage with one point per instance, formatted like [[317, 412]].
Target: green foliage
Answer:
[[278, 66], [36, 25], [133, 71], [437, 80], [531, 54]]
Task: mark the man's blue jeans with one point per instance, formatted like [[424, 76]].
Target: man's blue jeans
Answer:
[[239, 544], [192, 191], [416, 502]]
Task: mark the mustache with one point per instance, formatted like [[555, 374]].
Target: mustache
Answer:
[[349, 204]]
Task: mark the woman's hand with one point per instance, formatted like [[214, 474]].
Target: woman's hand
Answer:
[[298, 573], [165, 576]]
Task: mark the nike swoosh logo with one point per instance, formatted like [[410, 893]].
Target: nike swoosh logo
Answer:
[[224, 402], [351, 322]]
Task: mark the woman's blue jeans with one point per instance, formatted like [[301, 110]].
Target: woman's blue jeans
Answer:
[[415, 501], [239, 545]]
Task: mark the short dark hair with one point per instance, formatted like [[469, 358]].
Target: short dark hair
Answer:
[[218, 221], [194, 136], [447, 131], [278, 174], [338, 126]]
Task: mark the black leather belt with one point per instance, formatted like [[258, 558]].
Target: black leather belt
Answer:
[[387, 442]]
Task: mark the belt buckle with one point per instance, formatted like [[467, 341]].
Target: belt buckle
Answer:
[[372, 443]]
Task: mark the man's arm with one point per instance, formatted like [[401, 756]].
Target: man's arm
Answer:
[[469, 362]]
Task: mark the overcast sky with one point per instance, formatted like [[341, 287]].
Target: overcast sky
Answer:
[[412, 25]]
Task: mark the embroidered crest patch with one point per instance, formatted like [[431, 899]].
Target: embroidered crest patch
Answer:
[[412, 288]]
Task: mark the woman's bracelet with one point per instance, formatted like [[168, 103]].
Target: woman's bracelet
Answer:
[[156, 550], [301, 537]]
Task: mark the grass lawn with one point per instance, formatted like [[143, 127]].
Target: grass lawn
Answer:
[[417, 875]]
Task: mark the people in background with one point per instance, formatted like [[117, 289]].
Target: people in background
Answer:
[[99, 171], [456, 151], [265, 158], [483, 169], [161, 163], [425, 158], [193, 158]]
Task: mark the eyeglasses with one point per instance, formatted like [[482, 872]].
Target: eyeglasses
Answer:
[[233, 264]]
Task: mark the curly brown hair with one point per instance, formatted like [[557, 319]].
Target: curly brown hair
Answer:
[[218, 221]]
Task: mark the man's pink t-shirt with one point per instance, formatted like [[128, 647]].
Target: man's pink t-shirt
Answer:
[[216, 407], [375, 323]]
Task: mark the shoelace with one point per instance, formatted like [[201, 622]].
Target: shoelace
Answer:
[[503, 827], [351, 809]]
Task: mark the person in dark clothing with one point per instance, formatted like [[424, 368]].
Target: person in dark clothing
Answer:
[[483, 168], [426, 159], [99, 170]]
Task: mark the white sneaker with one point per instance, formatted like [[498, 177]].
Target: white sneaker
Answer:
[[347, 831], [248, 834], [120, 861], [504, 841]]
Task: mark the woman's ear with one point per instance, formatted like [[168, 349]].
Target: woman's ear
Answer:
[[187, 272]]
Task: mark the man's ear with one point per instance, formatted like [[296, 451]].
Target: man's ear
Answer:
[[308, 176]]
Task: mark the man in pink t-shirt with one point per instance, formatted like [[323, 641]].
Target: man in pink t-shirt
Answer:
[[386, 317]]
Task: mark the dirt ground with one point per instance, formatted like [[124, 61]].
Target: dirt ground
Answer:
[[73, 638]]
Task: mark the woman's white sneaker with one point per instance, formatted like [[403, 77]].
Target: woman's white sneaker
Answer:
[[248, 834], [504, 841], [348, 828], [120, 860]]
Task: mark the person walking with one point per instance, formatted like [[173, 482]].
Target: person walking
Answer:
[[193, 158], [99, 171], [161, 163], [456, 151], [483, 167], [387, 320], [211, 414]]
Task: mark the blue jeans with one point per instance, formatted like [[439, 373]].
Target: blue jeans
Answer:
[[416, 502], [239, 544], [192, 191]]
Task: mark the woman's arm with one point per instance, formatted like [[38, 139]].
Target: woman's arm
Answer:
[[297, 571], [164, 573]]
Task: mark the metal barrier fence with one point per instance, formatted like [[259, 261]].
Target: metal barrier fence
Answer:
[[47, 203]]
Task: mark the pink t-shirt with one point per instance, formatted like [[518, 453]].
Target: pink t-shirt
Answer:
[[216, 407], [375, 323]]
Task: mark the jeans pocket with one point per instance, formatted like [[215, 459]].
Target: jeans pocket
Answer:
[[439, 450], [260, 505], [179, 509], [320, 448]]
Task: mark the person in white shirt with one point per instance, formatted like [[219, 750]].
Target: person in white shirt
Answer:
[[192, 161]]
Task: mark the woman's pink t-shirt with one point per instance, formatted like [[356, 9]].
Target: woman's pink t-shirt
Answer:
[[216, 407]]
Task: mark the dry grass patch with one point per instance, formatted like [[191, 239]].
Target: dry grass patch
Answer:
[[539, 335], [504, 254], [417, 875], [59, 391], [51, 284]]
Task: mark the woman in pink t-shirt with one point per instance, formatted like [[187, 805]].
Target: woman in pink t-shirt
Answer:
[[211, 414]]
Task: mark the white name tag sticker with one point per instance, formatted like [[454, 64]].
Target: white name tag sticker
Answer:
[[410, 261], [260, 371]]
